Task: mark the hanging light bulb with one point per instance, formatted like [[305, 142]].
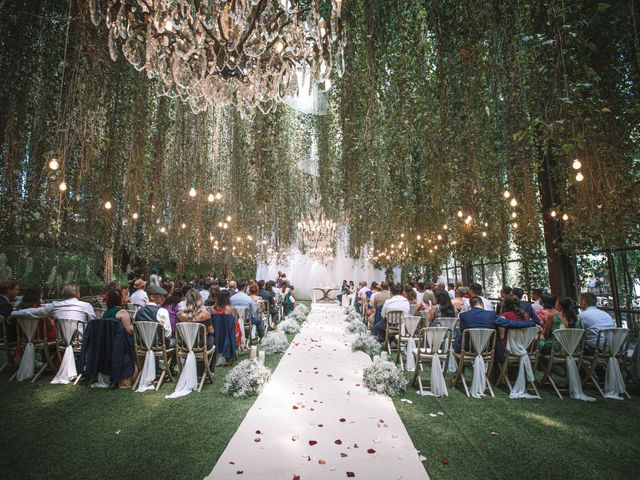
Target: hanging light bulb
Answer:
[[514, 202], [459, 213], [577, 164], [184, 225], [484, 234], [514, 225], [192, 190], [218, 195], [63, 186], [514, 214], [210, 197], [418, 237], [228, 218], [565, 217], [506, 194], [579, 177], [162, 229], [107, 205], [467, 220], [53, 164], [439, 237], [220, 224], [444, 227], [225, 226], [135, 215], [553, 213]]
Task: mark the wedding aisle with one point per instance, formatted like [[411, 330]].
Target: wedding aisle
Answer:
[[314, 419]]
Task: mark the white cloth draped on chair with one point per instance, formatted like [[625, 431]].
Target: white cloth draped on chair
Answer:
[[569, 339], [147, 332], [613, 382], [27, 367], [518, 341], [67, 371], [450, 323], [479, 339], [410, 325], [188, 380], [242, 312], [435, 337]]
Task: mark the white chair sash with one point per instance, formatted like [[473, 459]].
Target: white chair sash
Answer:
[[613, 382], [27, 366], [479, 340], [242, 312], [518, 341], [411, 324], [569, 340], [147, 332], [67, 371], [435, 337], [188, 380], [450, 323]]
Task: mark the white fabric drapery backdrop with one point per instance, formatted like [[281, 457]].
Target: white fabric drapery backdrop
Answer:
[[67, 371]]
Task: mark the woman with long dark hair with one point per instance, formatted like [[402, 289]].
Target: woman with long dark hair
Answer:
[[443, 307], [566, 317], [512, 310], [227, 331], [171, 304]]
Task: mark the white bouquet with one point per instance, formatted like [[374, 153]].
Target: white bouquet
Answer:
[[356, 326], [274, 342], [354, 316], [301, 309], [349, 309], [384, 377], [367, 343], [290, 325], [296, 317], [246, 379]]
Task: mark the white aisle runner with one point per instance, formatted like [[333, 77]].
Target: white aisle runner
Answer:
[[314, 419]]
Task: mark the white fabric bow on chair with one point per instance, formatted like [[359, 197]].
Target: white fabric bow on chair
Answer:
[[438, 384], [569, 339], [27, 366], [479, 339], [147, 331], [67, 371], [188, 380], [242, 311], [411, 324], [613, 381], [450, 323], [518, 341]]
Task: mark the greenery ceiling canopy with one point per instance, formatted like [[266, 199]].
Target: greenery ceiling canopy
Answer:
[[444, 108]]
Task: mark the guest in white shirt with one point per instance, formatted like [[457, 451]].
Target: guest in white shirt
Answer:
[[70, 307], [154, 278], [593, 319], [397, 302], [451, 290], [536, 297], [476, 291], [441, 279], [139, 297], [420, 293], [153, 312]]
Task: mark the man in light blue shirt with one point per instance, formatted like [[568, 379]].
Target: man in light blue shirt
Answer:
[[593, 319], [241, 299]]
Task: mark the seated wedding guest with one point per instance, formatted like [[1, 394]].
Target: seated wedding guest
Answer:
[[451, 290], [111, 286], [443, 307], [139, 297], [429, 297], [253, 292], [397, 302], [70, 307], [289, 300], [548, 308], [536, 298], [377, 301], [232, 286], [116, 301], [593, 319], [241, 299], [154, 312], [9, 290], [195, 311], [526, 306], [204, 291], [154, 278], [512, 309], [265, 291], [32, 298], [565, 317], [226, 329], [479, 317], [441, 278], [170, 304], [420, 292], [183, 293], [504, 291], [476, 291], [458, 300]]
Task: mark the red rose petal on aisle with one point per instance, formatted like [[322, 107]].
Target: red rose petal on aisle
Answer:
[[312, 442], [343, 419], [256, 439], [321, 462], [295, 407], [258, 432], [350, 474], [342, 454], [232, 463], [445, 461], [338, 442], [381, 421], [296, 477], [239, 472], [371, 450], [294, 438]]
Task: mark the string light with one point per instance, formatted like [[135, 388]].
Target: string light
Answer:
[[53, 164], [439, 237], [506, 194], [579, 177], [184, 225], [63, 186], [192, 190], [459, 213], [553, 213], [135, 215], [565, 217], [228, 218], [514, 214], [577, 164], [225, 225], [107, 205], [514, 202], [467, 220], [444, 227], [210, 197], [484, 234], [418, 237], [514, 225], [162, 229], [218, 195]]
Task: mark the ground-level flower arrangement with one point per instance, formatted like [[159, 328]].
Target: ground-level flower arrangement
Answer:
[[290, 325], [296, 317], [246, 379], [354, 316], [367, 343], [356, 326], [274, 342], [349, 309], [384, 377], [301, 309]]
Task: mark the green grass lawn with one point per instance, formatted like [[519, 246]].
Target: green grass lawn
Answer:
[[536, 439]]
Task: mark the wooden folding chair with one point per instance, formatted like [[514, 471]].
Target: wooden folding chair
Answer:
[[157, 346], [512, 360], [469, 350], [558, 355], [263, 312], [199, 349], [394, 319], [435, 341], [403, 337], [6, 345], [611, 343], [27, 333], [63, 341]]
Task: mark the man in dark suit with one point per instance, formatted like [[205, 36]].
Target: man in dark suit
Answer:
[[478, 317], [526, 306]]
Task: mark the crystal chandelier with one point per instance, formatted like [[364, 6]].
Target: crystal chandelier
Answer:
[[316, 237], [249, 53]]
